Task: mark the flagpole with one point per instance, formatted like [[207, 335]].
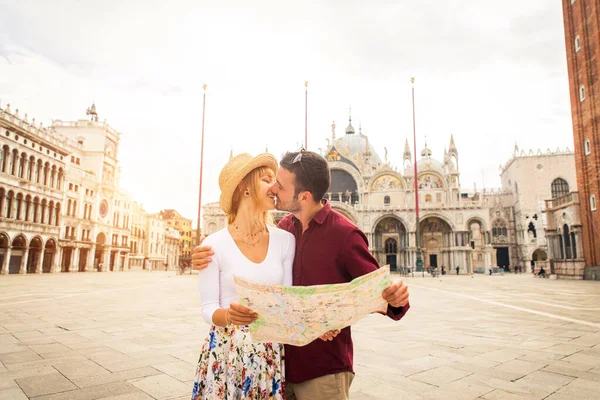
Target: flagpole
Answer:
[[305, 115], [201, 164], [416, 179]]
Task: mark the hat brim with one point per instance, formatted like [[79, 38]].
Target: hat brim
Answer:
[[261, 160]]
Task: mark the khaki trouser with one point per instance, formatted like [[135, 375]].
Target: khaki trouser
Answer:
[[328, 387]]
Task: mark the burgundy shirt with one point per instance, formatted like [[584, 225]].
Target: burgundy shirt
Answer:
[[332, 250]]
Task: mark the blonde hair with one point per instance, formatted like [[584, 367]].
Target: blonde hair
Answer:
[[252, 182]]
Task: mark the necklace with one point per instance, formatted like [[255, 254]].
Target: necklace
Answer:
[[249, 239]]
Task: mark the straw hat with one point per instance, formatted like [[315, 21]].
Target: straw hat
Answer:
[[236, 169]]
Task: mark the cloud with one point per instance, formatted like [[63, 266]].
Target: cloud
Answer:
[[491, 75]]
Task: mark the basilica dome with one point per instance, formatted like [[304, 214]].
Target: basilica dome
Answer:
[[428, 164], [352, 143], [431, 165]]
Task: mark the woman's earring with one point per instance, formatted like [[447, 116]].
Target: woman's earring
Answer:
[[247, 193]]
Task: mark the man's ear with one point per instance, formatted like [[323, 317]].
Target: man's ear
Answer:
[[306, 195]]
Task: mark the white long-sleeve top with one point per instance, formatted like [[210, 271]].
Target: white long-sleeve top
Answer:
[[216, 280]]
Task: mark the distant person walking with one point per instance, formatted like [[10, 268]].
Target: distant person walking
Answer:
[[457, 269]]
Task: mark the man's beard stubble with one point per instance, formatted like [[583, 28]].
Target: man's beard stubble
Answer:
[[291, 206]]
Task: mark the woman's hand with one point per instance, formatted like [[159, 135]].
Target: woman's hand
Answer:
[[328, 336], [240, 315]]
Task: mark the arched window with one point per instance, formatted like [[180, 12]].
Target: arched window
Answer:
[[53, 176], [31, 168], [9, 204], [46, 174], [27, 215], [19, 206], [38, 172], [22, 166], [573, 245], [386, 200], [391, 246], [559, 187], [3, 158], [343, 187], [43, 211], [567, 241], [57, 216], [36, 208], [50, 212], [14, 162], [499, 228]]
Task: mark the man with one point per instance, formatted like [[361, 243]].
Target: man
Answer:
[[329, 249]]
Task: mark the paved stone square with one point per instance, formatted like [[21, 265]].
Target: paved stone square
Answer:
[[137, 335]]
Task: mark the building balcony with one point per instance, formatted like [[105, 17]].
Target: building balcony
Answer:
[[562, 201]]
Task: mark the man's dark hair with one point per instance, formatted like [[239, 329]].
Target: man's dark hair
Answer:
[[311, 172]]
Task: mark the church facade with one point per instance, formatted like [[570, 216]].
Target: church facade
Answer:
[[468, 231]]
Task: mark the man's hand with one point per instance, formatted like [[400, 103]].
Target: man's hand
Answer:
[[328, 336], [201, 256], [396, 294], [240, 315]]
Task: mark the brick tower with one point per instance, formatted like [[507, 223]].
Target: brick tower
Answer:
[[582, 36]]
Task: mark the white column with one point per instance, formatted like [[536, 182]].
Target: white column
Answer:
[[24, 258], [126, 264], [89, 266], [57, 260], [75, 260], [106, 261], [6, 261]]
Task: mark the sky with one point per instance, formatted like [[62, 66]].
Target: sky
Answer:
[[491, 73]]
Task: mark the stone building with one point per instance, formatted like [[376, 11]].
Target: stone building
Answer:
[[61, 205], [471, 230], [531, 178], [32, 173], [582, 23], [563, 233], [155, 250], [172, 248], [138, 236], [184, 226], [97, 215]]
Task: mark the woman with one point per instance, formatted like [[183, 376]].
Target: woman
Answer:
[[230, 365]]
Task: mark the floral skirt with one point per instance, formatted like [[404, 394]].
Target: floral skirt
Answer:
[[232, 367]]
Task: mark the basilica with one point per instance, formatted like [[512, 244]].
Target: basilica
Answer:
[[464, 231], [381, 201]]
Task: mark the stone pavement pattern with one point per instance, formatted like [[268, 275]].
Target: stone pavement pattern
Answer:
[[137, 335]]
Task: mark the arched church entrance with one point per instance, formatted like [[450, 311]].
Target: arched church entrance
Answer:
[[436, 239], [390, 243]]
